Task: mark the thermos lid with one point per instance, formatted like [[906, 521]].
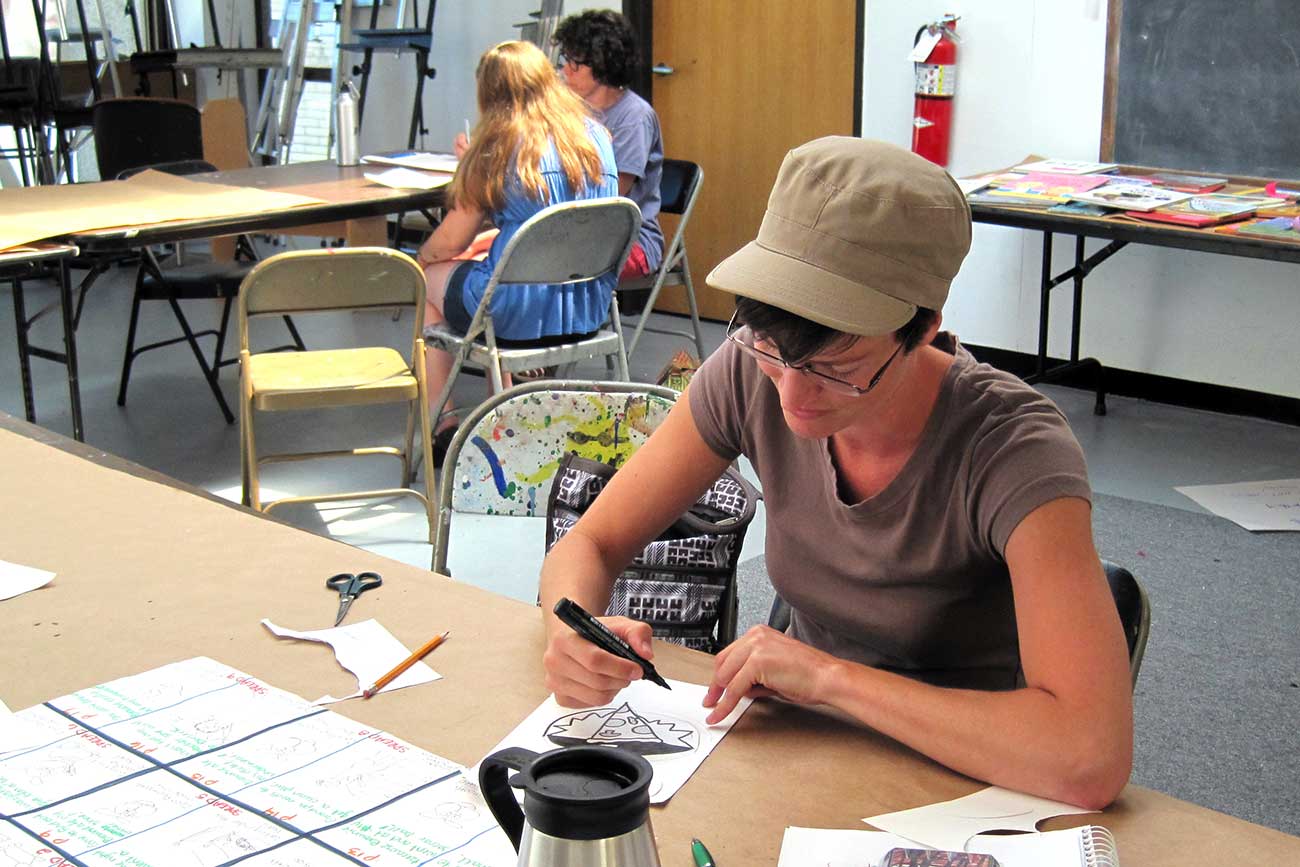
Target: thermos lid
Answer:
[[586, 792]]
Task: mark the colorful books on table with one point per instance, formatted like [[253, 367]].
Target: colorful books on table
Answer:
[[1079, 209], [1129, 197], [1273, 228], [1183, 183], [1208, 210], [1065, 167], [1033, 189]]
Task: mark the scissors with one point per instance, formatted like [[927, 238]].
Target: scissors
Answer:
[[350, 587]]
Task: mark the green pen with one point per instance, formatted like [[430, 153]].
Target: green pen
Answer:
[[701, 855]]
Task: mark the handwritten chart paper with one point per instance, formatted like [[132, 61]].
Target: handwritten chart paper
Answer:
[[665, 726], [196, 763], [1271, 505]]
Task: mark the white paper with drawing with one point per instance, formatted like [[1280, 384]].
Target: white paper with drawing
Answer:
[[665, 726], [950, 824], [366, 649], [196, 763]]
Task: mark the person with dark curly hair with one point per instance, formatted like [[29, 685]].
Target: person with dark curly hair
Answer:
[[599, 58]]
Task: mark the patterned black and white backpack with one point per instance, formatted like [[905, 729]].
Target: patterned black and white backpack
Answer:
[[684, 583]]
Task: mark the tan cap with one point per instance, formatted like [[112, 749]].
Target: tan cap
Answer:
[[857, 235]]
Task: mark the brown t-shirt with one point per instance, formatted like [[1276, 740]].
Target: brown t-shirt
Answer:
[[913, 579]]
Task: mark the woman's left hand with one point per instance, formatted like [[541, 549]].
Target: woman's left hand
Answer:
[[764, 662]]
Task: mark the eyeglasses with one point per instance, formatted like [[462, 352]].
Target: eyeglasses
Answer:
[[565, 60], [743, 337]]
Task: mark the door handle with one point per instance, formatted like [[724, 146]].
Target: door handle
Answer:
[[662, 69]]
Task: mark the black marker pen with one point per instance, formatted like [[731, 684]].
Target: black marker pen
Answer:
[[574, 616]]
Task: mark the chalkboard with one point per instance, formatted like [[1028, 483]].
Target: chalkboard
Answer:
[[1204, 85]]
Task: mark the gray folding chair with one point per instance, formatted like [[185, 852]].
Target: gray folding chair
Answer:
[[679, 188], [565, 243]]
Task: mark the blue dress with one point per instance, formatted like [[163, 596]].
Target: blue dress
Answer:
[[530, 311]]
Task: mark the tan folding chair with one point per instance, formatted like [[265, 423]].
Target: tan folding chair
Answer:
[[353, 278]]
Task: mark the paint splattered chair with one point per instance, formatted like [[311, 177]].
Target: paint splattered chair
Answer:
[[505, 454]]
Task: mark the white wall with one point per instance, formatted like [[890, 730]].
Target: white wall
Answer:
[[1030, 75]]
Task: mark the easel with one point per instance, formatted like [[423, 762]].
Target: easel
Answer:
[[417, 40], [30, 95]]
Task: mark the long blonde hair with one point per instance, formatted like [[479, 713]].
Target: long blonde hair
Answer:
[[524, 107]]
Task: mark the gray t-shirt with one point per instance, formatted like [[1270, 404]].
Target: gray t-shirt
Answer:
[[913, 579], [639, 151]]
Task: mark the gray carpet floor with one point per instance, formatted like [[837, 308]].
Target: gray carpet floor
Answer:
[[1217, 704]]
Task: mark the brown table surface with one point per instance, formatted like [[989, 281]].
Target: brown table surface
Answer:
[[344, 190], [151, 573]]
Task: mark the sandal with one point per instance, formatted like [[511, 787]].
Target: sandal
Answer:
[[537, 373]]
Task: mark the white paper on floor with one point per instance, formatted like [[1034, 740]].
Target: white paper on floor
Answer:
[[1271, 505]]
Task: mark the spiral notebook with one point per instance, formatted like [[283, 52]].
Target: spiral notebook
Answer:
[[1088, 846]]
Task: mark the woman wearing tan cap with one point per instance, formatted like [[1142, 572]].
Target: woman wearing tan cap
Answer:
[[928, 517]]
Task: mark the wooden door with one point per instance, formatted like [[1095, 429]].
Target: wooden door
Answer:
[[751, 80]]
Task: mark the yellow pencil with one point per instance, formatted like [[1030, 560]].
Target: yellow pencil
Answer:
[[405, 664]]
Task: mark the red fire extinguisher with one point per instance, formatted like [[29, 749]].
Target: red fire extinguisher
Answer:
[[936, 85]]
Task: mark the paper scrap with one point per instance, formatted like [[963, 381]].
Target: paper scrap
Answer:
[[16, 579], [950, 824], [1272, 505], [366, 649], [408, 179], [665, 726], [430, 162]]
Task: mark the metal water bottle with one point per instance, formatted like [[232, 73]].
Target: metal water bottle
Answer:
[[347, 127]]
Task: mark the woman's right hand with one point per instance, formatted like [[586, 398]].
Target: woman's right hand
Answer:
[[580, 674], [460, 144]]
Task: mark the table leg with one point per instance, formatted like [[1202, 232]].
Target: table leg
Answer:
[[1044, 304], [1082, 266], [70, 349], [24, 351]]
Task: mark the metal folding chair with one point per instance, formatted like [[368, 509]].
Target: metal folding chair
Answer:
[[565, 243], [679, 188], [352, 278]]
